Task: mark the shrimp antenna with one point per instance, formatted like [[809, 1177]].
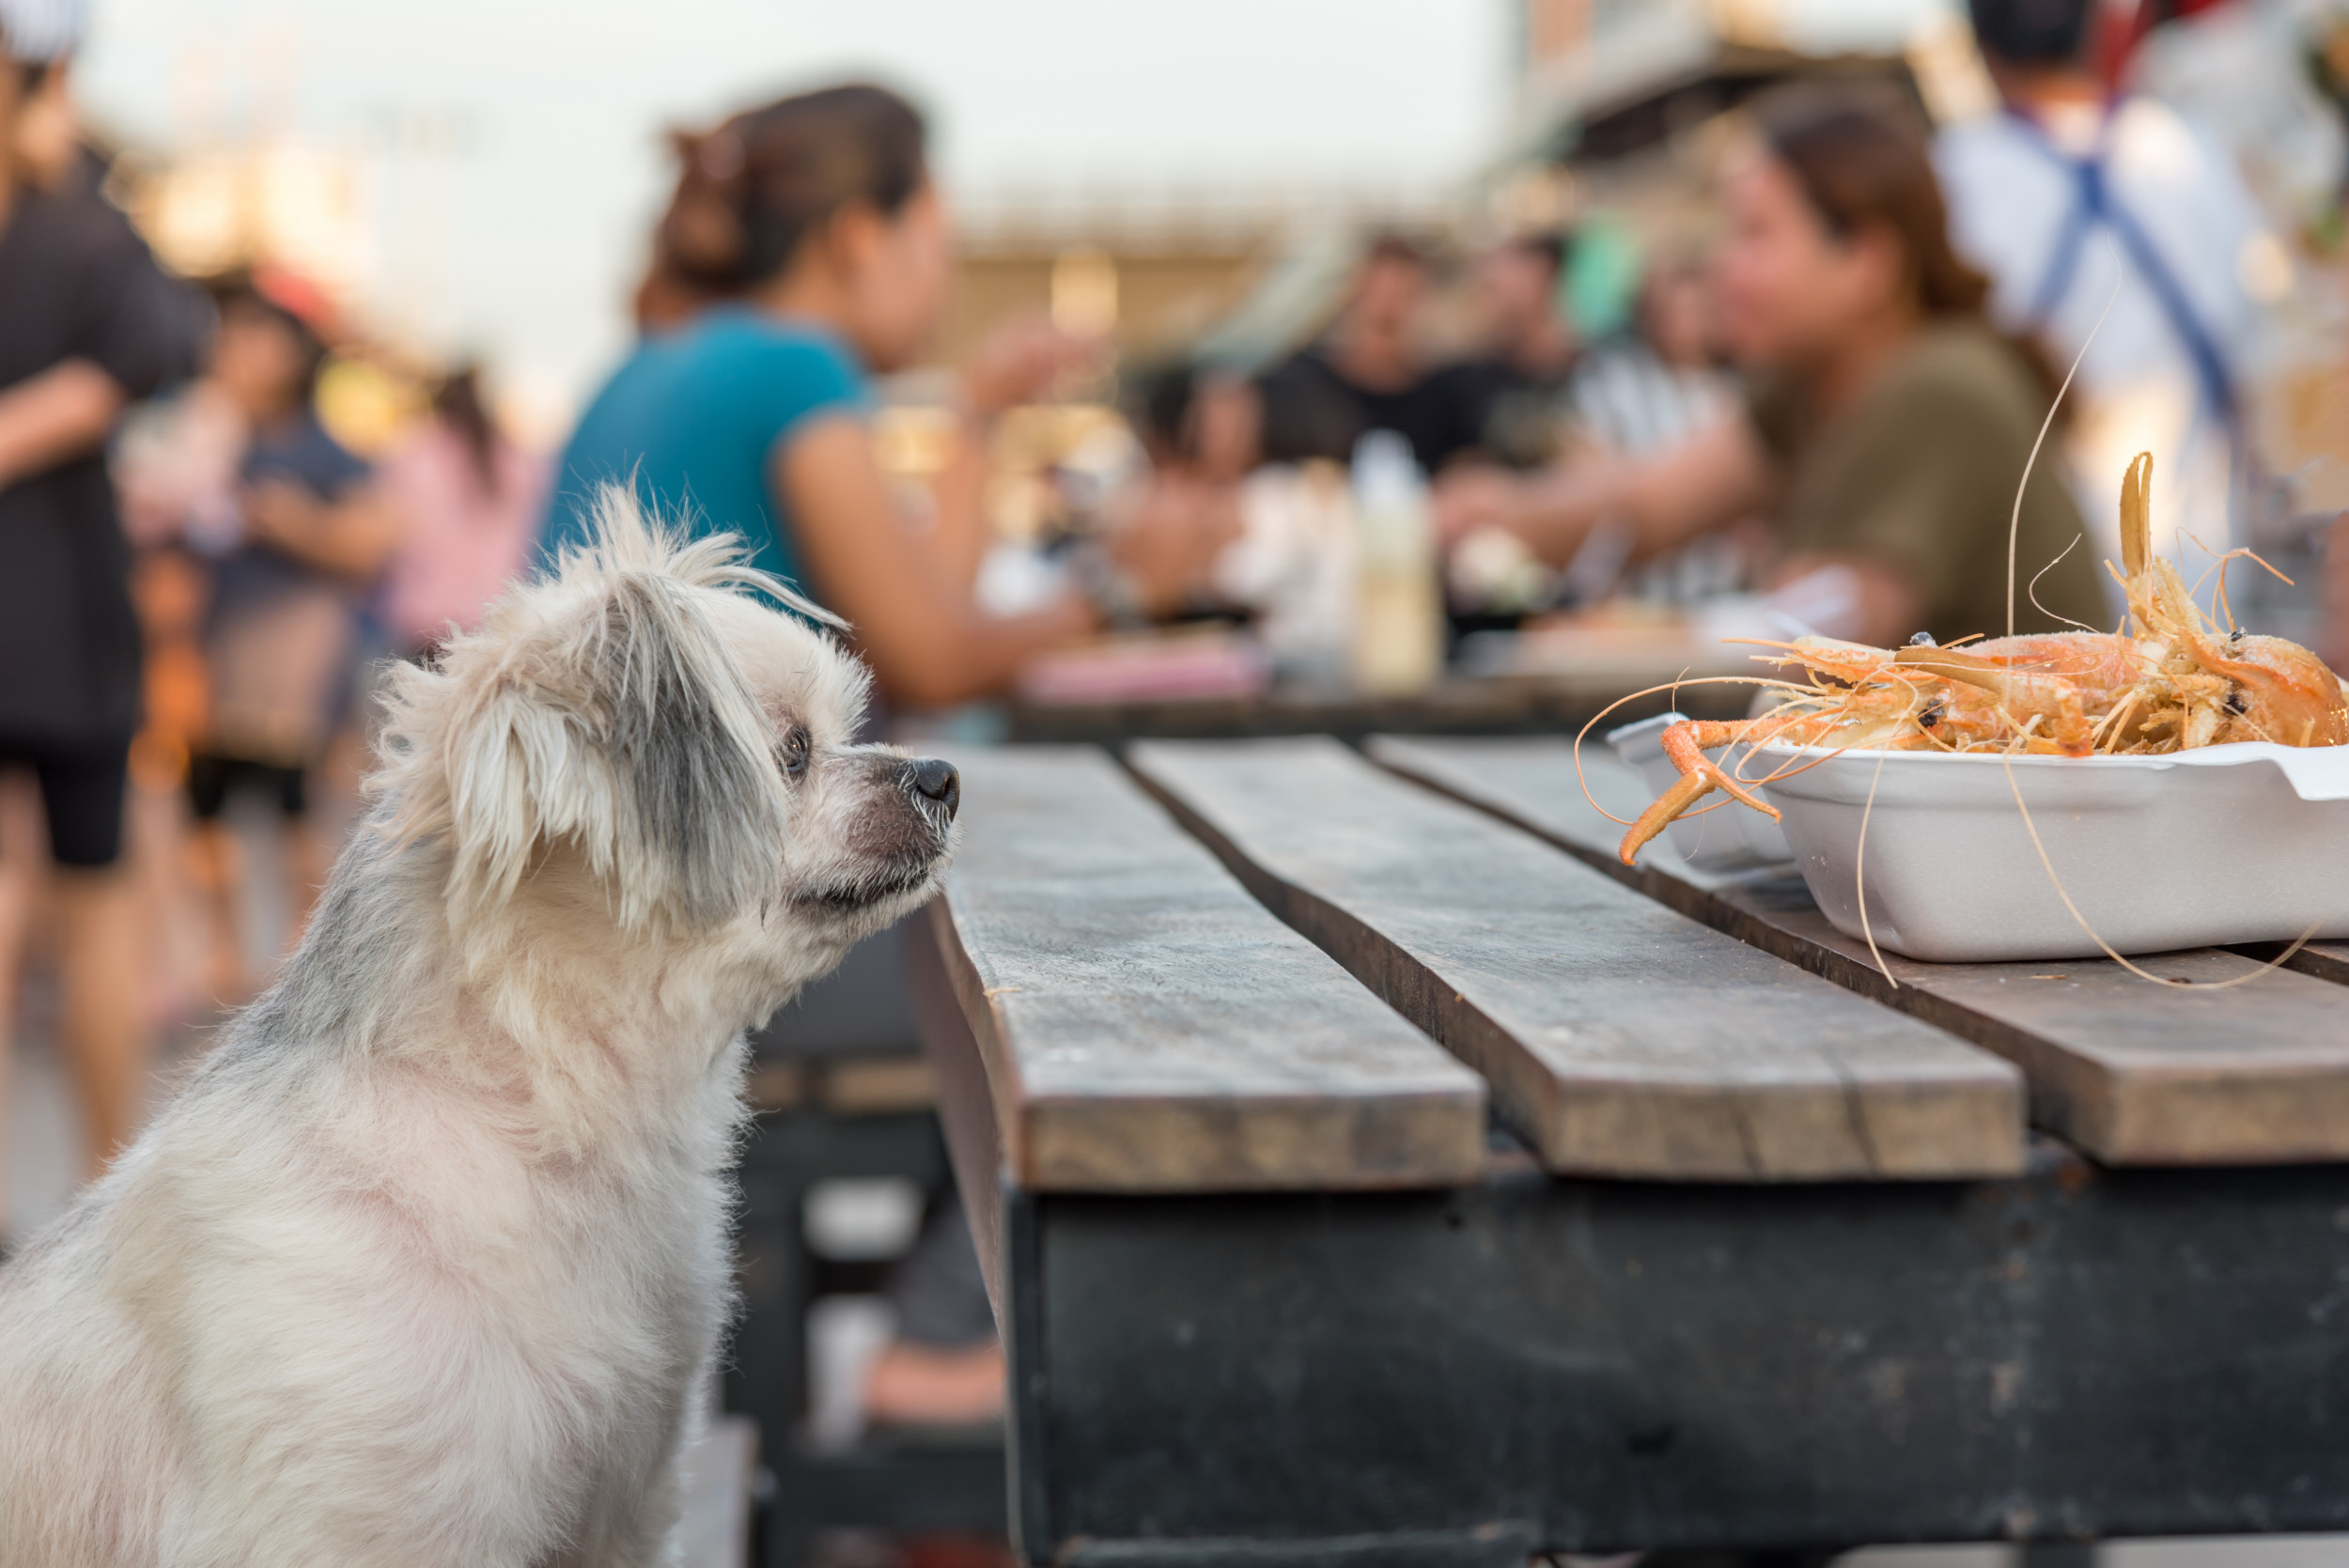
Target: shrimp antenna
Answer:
[[2015, 522], [2033, 590]]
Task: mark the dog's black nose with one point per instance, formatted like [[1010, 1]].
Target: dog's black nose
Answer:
[[937, 780]]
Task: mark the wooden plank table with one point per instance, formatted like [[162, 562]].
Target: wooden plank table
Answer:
[[1149, 1026], [1678, 1053], [1755, 1253]]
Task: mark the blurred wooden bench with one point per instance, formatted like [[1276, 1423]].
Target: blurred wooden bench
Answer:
[[1368, 1169]]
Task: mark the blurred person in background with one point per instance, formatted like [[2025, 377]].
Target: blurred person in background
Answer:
[[1889, 424], [2073, 200], [1514, 396], [1367, 372], [470, 501], [1665, 382], [240, 470], [87, 323], [1197, 420], [1538, 388], [1680, 317], [1540, 394], [1656, 387], [1199, 426], [805, 250]]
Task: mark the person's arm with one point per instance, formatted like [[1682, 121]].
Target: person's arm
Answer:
[[352, 536], [928, 643], [128, 337], [1667, 498], [62, 413], [1859, 598]]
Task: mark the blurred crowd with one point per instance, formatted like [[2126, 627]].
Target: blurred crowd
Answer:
[[1822, 422], [197, 582], [1817, 420]]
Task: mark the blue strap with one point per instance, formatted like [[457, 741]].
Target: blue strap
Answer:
[[2095, 204], [2063, 262]]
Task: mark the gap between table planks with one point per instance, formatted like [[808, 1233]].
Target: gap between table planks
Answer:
[[1620, 1038], [2132, 1073], [1147, 1027], [2324, 961]]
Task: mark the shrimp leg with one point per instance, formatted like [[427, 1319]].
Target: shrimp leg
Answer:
[[1685, 743]]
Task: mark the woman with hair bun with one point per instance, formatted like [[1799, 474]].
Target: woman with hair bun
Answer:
[[1889, 424], [806, 249]]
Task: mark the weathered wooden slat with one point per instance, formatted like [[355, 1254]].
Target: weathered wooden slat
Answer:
[[2324, 961], [1149, 1027], [2133, 1073], [1620, 1038]]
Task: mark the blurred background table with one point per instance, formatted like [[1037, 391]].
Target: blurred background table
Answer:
[[1529, 698]]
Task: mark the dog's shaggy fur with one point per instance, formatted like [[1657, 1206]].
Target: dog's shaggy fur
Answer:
[[427, 1264]]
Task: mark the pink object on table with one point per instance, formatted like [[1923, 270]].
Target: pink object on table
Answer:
[[1148, 668]]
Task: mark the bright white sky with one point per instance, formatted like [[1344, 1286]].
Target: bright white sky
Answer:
[[529, 244]]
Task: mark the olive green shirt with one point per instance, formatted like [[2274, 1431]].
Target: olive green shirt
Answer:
[[1919, 474]]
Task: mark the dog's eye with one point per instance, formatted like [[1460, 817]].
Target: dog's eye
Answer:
[[795, 747]]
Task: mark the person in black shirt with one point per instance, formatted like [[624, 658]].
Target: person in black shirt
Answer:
[[1511, 400], [87, 323], [1365, 374]]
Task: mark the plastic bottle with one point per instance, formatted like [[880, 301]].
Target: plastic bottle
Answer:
[[1398, 622]]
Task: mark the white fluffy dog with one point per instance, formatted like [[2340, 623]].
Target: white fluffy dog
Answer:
[[427, 1264]]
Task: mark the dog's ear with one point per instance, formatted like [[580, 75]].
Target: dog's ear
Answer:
[[700, 795], [635, 736]]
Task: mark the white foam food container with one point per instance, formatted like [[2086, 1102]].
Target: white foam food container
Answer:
[[1735, 837], [2228, 844]]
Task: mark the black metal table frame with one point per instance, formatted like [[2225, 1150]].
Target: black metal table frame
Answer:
[[1536, 1363]]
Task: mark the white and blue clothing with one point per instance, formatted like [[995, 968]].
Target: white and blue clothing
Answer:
[[2127, 207]]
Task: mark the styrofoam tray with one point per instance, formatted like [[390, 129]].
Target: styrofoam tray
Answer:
[[1732, 838], [2228, 844]]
